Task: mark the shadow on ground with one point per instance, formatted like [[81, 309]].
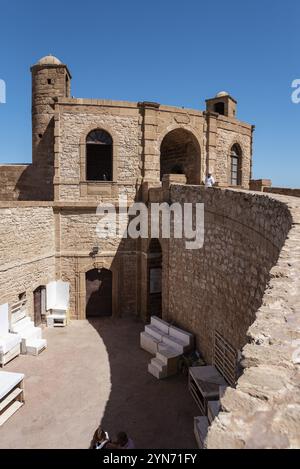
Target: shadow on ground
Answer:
[[156, 414]]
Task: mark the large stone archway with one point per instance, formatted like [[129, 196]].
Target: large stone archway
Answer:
[[180, 153]]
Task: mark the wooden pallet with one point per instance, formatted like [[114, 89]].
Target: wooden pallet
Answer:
[[12, 401], [225, 359], [10, 411], [18, 311], [15, 352]]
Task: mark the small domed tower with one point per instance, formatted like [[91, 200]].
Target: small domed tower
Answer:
[[50, 79], [223, 104]]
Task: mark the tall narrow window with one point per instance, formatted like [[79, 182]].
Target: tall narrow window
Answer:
[[236, 163], [99, 151], [67, 91], [155, 278]]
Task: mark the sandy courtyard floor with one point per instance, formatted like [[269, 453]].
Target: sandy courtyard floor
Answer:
[[91, 373]]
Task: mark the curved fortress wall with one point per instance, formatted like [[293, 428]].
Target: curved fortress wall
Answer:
[[224, 282], [245, 283], [264, 410]]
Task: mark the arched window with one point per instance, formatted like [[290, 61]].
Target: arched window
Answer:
[[99, 152], [235, 166], [220, 108]]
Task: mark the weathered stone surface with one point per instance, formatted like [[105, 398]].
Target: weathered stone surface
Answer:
[[27, 251], [272, 375], [244, 282]]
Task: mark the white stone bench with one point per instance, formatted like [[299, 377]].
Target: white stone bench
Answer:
[[25, 328], [183, 336], [168, 343], [36, 346], [176, 344], [154, 332], [149, 343], [163, 326]]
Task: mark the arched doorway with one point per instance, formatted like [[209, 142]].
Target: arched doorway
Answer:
[[154, 278], [98, 293], [180, 154]]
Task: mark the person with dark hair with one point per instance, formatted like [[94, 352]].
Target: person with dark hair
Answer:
[[100, 439], [124, 442]]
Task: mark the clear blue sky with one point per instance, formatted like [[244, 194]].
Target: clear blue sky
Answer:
[[172, 51]]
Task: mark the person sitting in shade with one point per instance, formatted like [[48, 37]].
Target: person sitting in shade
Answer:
[[124, 442], [209, 181], [100, 440]]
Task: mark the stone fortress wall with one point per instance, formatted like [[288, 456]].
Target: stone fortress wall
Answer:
[[260, 316], [78, 235], [224, 282], [10, 175], [27, 249], [244, 283], [141, 133], [264, 409], [145, 136], [265, 185]]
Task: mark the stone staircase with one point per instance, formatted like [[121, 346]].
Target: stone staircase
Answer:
[[168, 344]]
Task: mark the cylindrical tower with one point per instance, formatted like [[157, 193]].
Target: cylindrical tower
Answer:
[[50, 79]]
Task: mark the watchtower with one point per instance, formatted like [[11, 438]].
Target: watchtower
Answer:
[[50, 79]]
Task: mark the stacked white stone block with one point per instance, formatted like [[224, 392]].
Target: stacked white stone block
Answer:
[[168, 344], [32, 342]]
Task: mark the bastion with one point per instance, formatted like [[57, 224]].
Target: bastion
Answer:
[[244, 282]]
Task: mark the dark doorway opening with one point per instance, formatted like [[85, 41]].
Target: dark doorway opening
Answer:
[[220, 108], [39, 302], [98, 293], [99, 152], [155, 279], [180, 154]]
